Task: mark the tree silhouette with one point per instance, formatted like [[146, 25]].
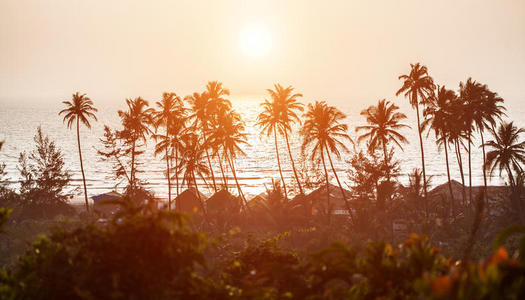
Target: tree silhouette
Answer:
[[229, 135], [323, 131], [169, 113], [384, 120], [136, 121], [506, 152], [79, 109], [440, 117], [418, 86]]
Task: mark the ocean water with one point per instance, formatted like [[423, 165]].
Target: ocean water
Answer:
[[19, 120]]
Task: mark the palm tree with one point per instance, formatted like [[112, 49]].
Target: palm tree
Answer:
[[193, 163], [169, 108], [288, 107], [80, 109], [418, 86], [136, 121], [230, 136], [384, 120], [489, 111], [439, 117], [323, 131], [506, 151], [269, 120]]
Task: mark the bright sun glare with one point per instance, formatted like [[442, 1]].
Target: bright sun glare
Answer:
[[255, 41]]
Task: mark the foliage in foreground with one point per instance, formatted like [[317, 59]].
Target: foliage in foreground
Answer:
[[155, 256]]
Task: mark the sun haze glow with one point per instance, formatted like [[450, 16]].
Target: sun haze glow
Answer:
[[255, 41]]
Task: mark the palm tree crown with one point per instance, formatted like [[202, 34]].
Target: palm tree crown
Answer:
[[384, 120], [507, 152], [81, 108]]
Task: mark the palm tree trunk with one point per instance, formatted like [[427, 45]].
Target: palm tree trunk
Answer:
[[386, 160], [328, 208], [82, 165], [232, 167], [293, 164], [347, 204], [209, 161], [224, 180], [132, 185], [177, 171], [422, 155], [469, 167], [511, 178], [279, 163], [169, 180], [484, 170], [460, 163], [200, 200], [453, 212]]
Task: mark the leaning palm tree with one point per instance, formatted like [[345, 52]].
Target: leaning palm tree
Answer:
[[136, 121], [323, 131], [489, 111], [269, 121], [79, 109], [418, 86], [230, 135], [288, 107], [439, 117], [506, 152], [193, 163], [385, 123], [169, 108]]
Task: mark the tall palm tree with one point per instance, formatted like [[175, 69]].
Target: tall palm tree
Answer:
[[323, 131], [79, 109], [269, 120], [470, 94], [230, 136], [193, 163], [136, 120], [288, 107], [418, 86], [169, 108], [385, 123], [439, 117], [506, 152], [489, 111]]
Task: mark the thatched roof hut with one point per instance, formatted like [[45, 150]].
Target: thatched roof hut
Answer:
[[223, 201], [188, 201]]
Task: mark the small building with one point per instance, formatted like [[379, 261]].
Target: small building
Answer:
[[188, 201], [101, 205]]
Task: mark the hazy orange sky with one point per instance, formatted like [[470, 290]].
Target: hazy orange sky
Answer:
[[343, 50]]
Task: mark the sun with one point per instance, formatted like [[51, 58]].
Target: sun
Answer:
[[255, 41]]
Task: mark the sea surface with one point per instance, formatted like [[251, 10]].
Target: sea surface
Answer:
[[19, 120]]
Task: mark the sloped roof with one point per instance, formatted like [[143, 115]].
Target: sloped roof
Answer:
[[188, 201], [106, 196]]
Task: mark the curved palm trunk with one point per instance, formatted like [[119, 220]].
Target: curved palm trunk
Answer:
[[484, 170], [347, 204], [82, 165], [241, 194], [279, 163], [460, 163], [200, 200], [177, 171], [293, 164], [209, 162], [422, 154], [168, 172], [453, 211], [469, 168], [132, 173], [328, 209], [224, 180]]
